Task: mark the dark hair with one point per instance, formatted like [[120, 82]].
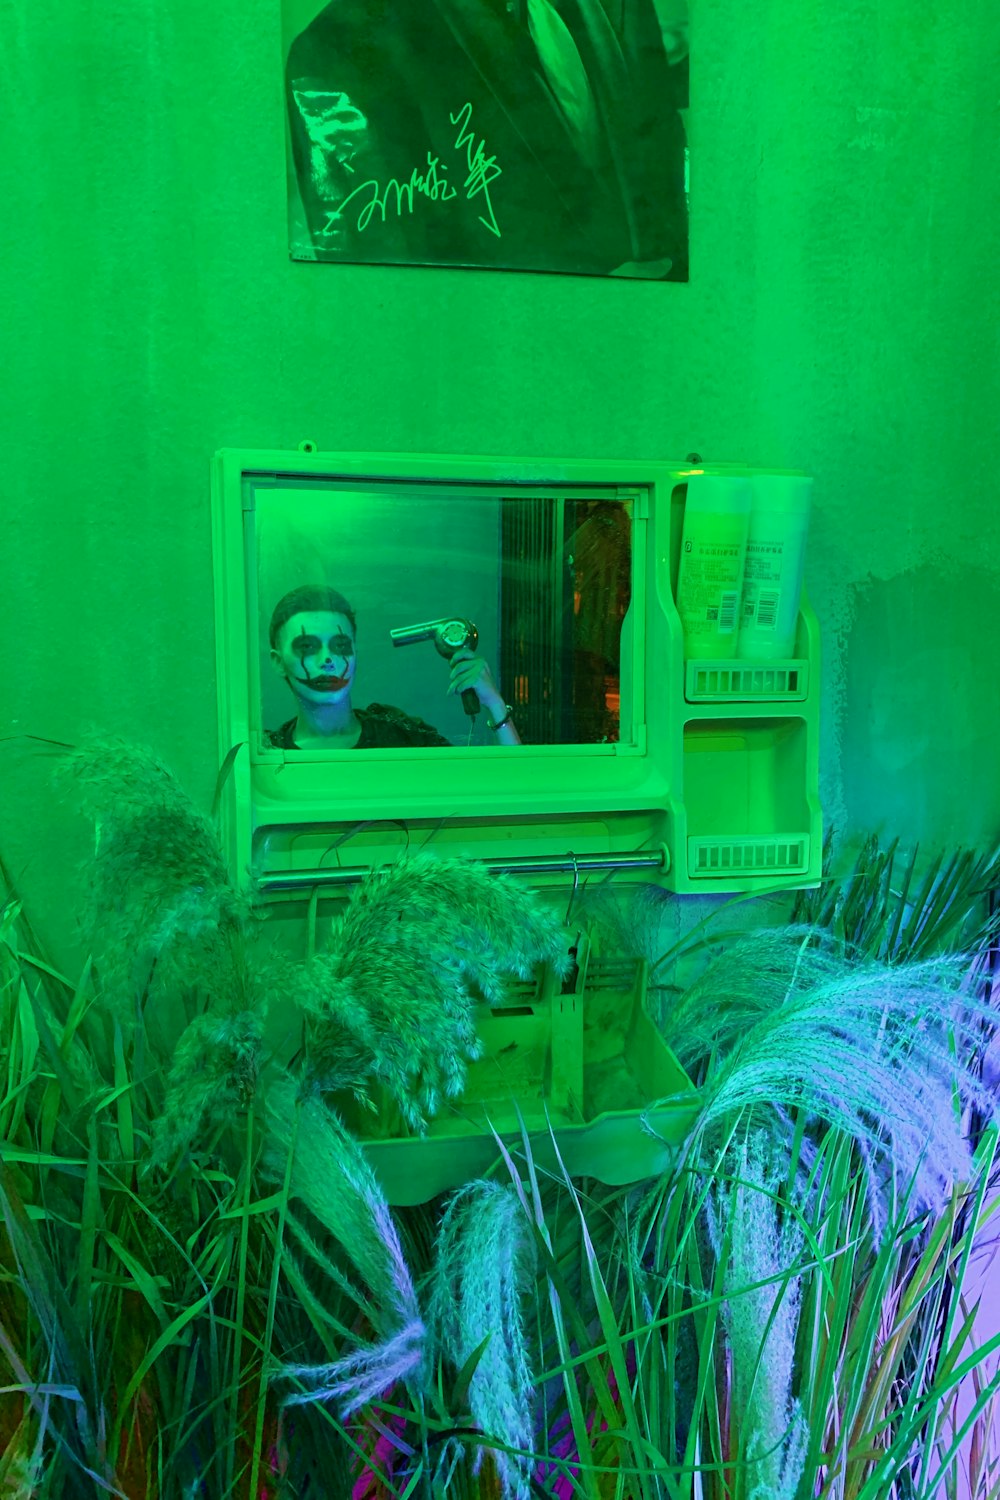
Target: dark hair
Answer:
[[309, 597]]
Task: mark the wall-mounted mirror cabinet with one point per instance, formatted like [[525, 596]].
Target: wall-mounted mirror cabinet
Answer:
[[488, 651]]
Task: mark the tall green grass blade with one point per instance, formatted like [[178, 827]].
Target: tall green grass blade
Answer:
[[460, 1389], [170, 1335], [272, 1300], [241, 1289], [609, 1328], [225, 772], [81, 1001], [415, 1478], [985, 1155], [150, 1286], [123, 1098], [899, 910], [89, 1219], [54, 1058], [536, 1216]]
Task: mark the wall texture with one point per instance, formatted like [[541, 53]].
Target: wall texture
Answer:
[[841, 316]]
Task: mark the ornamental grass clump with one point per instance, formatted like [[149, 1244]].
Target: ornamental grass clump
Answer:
[[481, 1285], [184, 1209], [841, 1085], [203, 1290]]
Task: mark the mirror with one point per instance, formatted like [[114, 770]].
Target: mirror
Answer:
[[543, 577]]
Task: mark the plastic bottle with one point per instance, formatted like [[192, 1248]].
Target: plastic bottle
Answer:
[[713, 551], [775, 563]]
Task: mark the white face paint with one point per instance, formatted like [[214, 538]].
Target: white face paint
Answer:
[[316, 656]]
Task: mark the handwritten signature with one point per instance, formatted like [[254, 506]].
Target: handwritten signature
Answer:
[[428, 183], [482, 168]]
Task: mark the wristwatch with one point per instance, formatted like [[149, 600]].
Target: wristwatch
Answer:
[[508, 711]]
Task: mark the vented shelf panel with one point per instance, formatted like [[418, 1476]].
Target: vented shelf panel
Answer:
[[746, 681], [782, 854]]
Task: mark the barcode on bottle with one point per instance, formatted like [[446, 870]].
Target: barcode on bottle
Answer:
[[727, 613], [767, 610]]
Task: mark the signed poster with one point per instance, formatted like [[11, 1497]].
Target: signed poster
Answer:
[[532, 135]]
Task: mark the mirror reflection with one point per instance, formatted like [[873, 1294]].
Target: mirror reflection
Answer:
[[390, 618]]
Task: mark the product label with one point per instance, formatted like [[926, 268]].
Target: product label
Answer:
[[761, 609], [762, 584], [708, 587], [764, 561]]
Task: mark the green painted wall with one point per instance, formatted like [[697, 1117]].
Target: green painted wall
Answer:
[[842, 316]]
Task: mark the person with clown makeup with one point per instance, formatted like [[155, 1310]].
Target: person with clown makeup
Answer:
[[313, 641]]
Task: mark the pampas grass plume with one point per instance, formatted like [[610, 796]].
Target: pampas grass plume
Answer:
[[331, 1176], [882, 1052], [743, 1215], [212, 1080], [393, 999], [483, 1276], [158, 896]]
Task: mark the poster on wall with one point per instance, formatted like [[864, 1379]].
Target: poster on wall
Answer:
[[530, 135]]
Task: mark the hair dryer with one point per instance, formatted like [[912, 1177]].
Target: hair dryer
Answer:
[[449, 635]]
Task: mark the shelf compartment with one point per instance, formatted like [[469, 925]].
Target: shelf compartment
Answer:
[[745, 797]]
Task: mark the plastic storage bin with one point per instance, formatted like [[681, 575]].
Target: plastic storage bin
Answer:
[[587, 1063]]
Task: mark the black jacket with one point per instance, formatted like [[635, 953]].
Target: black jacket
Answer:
[[382, 728]]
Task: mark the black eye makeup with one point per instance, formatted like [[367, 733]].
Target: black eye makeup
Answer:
[[341, 645], [305, 645]]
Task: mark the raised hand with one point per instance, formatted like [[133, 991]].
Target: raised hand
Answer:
[[469, 671]]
